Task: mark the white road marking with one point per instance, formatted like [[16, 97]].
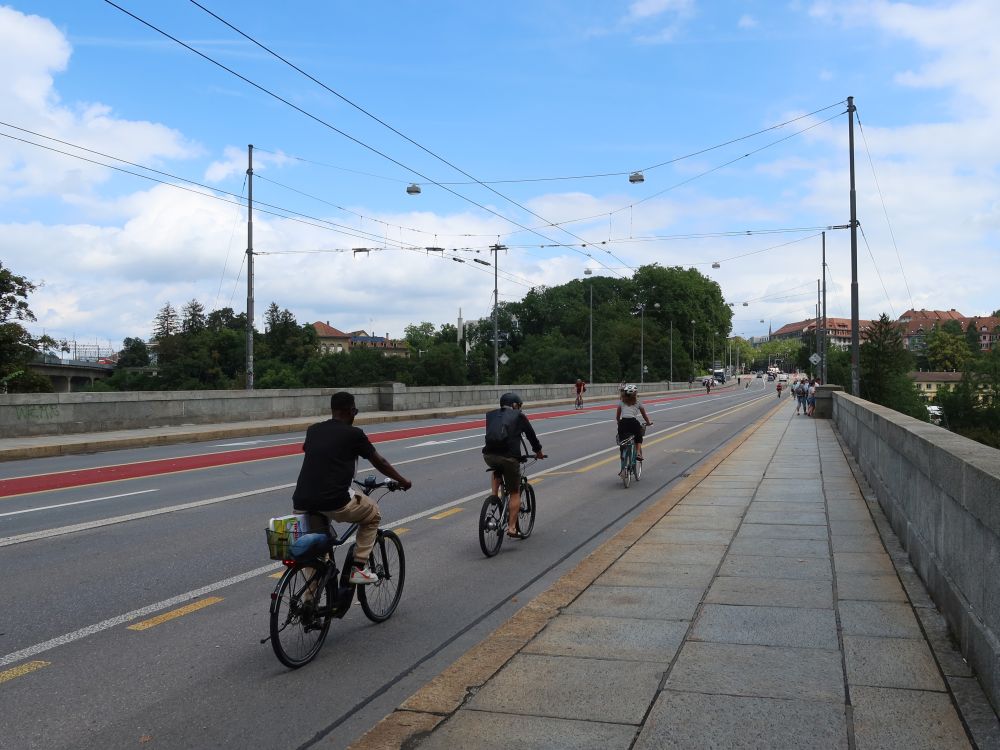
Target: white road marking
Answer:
[[62, 640], [135, 614], [48, 533], [78, 502]]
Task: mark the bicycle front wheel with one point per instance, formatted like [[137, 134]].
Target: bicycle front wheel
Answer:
[[378, 600], [492, 526], [526, 513], [297, 631], [627, 467]]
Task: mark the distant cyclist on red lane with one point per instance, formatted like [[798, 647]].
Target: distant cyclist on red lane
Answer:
[[581, 387], [503, 454]]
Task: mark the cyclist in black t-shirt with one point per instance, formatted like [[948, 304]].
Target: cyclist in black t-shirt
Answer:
[[332, 449]]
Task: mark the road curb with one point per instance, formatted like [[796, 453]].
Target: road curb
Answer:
[[419, 714]]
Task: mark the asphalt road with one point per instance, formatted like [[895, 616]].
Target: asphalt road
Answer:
[[181, 554]]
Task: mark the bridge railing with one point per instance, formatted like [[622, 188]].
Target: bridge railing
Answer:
[[941, 493]]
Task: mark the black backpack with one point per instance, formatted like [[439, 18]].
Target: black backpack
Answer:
[[501, 426]]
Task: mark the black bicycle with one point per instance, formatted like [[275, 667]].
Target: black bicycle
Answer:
[[313, 591], [493, 516]]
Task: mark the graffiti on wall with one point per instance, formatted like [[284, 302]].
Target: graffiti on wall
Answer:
[[37, 412]]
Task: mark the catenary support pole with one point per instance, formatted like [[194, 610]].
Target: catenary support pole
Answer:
[[855, 333], [249, 385], [825, 344]]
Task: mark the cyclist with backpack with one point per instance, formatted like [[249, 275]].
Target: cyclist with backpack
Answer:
[[502, 452]]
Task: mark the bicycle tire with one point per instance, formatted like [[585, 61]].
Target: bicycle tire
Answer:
[[638, 469], [492, 526], [526, 513], [297, 634], [627, 466], [379, 600]]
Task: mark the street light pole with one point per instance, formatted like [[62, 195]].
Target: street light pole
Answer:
[[671, 351], [496, 305], [692, 348], [855, 333], [642, 341], [588, 272]]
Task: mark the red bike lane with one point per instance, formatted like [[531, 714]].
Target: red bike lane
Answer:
[[118, 472]]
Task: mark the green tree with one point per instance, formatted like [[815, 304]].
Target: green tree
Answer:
[[17, 346], [166, 323], [885, 365], [134, 353], [946, 350], [193, 317]]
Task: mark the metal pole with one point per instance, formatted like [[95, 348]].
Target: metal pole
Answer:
[[671, 351], [825, 345], [496, 305], [642, 341], [249, 385], [855, 334], [591, 331]]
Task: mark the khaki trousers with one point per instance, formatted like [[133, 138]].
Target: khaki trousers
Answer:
[[360, 510]]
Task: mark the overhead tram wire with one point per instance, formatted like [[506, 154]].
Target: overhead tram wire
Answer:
[[878, 273], [337, 228], [520, 180], [480, 182], [694, 177], [885, 211], [400, 134], [333, 226], [374, 150]]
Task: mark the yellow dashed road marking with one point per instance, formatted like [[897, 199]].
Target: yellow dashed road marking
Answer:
[[400, 530], [166, 616], [277, 575], [450, 512], [23, 669]]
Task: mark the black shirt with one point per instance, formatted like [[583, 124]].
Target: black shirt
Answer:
[[332, 449], [514, 447]]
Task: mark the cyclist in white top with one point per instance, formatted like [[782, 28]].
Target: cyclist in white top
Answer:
[[627, 417]]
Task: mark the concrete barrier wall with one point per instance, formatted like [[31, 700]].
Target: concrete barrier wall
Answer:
[[941, 493], [23, 415]]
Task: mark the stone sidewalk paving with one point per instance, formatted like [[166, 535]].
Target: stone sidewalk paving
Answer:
[[762, 611]]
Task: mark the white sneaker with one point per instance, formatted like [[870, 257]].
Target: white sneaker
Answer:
[[362, 576]]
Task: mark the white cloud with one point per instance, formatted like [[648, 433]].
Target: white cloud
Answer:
[[747, 22], [32, 51]]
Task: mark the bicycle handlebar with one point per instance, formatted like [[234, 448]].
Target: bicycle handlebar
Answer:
[[370, 484]]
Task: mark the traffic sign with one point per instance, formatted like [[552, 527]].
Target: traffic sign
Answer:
[[504, 359], [815, 358]]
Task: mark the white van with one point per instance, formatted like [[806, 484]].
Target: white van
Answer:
[[783, 377]]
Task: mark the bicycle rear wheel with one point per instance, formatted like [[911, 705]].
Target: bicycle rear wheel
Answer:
[[626, 473], [297, 632], [379, 600], [526, 513], [637, 464], [492, 526]]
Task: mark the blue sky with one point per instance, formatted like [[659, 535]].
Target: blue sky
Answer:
[[513, 91]]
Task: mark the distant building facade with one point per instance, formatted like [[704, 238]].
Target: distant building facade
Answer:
[[335, 341]]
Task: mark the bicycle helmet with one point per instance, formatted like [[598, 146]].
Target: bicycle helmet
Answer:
[[630, 389], [511, 399]]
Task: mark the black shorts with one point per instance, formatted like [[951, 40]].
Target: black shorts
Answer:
[[509, 467], [630, 426]]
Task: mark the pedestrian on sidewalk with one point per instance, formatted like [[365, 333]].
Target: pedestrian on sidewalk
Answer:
[[811, 396], [799, 390]]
